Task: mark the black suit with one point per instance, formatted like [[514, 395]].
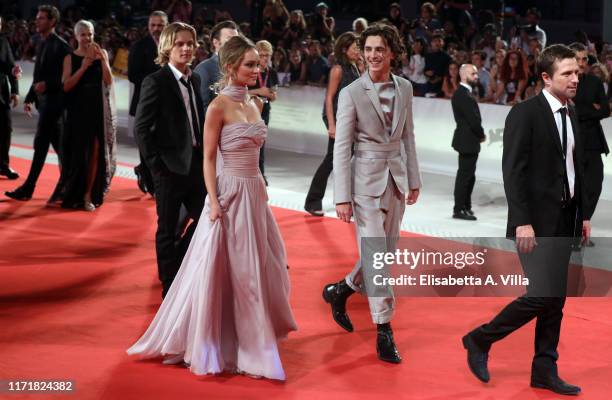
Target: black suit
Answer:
[[50, 104], [164, 136], [534, 181], [466, 141], [591, 91], [141, 63], [8, 87]]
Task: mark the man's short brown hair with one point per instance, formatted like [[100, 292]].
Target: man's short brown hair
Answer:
[[548, 56], [51, 11]]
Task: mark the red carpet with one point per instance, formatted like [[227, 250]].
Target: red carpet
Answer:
[[78, 288]]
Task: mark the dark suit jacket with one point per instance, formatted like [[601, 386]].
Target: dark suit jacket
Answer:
[[468, 132], [141, 62], [161, 126], [591, 90], [49, 66], [533, 168], [209, 73], [7, 62]]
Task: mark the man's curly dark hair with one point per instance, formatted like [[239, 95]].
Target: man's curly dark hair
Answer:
[[390, 35]]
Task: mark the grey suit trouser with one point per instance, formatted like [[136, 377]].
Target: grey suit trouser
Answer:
[[377, 217]]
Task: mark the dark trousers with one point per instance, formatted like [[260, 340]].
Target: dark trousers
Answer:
[[593, 178], [314, 198], [6, 128], [547, 278], [48, 131], [265, 115], [464, 181], [145, 174], [171, 191], [262, 158]]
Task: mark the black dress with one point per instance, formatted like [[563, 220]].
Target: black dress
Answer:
[[84, 123], [314, 198]]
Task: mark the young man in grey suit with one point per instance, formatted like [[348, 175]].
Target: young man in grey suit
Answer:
[[375, 117], [209, 70]]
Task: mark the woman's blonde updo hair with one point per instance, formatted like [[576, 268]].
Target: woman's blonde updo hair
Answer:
[[231, 55], [83, 24]]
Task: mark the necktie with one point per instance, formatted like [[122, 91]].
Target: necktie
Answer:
[[194, 116], [566, 191]]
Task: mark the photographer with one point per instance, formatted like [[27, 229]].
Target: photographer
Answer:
[[533, 19], [322, 25]]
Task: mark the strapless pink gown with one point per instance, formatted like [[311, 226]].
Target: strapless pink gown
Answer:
[[229, 303]]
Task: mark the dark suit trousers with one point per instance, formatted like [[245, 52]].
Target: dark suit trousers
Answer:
[[48, 131], [314, 198], [145, 173], [171, 191], [593, 179], [464, 181], [545, 278], [6, 129]]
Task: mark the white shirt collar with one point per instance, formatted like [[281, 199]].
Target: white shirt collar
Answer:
[[554, 103], [178, 74], [465, 85]]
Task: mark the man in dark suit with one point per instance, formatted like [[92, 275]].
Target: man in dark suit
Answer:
[[9, 97], [543, 181], [209, 70], [466, 141], [141, 62], [47, 94], [591, 107], [168, 128]]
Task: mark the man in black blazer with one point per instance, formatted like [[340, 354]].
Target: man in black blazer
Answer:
[[141, 62], [466, 141], [46, 93], [168, 128], [9, 97], [591, 107], [544, 185]]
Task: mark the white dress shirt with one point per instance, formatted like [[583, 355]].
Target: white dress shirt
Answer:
[[178, 75], [465, 85], [556, 106]]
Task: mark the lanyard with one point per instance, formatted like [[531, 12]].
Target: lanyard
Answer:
[[265, 82]]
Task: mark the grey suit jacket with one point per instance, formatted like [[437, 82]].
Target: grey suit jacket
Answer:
[[360, 121], [209, 73]]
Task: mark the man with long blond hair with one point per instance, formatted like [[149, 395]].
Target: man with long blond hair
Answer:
[[168, 128]]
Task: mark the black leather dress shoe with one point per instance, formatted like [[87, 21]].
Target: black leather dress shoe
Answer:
[[385, 347], [313, 212], [336, 295], [20, 193], [9, 173], [469, 211], [555, 384], [140, 180], [463, 214], [477, 359]]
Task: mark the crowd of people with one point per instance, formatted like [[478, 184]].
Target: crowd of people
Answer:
[[443, 37]]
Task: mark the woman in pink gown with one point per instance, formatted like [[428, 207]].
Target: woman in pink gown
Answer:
[[229, 303]]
